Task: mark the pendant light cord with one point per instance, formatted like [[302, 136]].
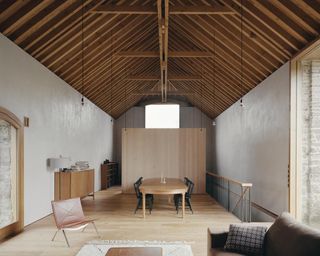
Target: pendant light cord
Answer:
[[214, 73], [82, 55], [194, 106], [241, 52], [111, 72], [201, 112], [125, 113]]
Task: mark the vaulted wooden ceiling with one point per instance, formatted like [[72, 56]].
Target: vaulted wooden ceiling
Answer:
[[139, 50]]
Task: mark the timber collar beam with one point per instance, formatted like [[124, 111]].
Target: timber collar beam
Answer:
[[157, 78], [174, 10], [171, 54], [152, 93]]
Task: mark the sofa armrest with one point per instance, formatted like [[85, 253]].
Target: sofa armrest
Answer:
[[216, 239]]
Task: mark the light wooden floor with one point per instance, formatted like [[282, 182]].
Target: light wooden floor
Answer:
[[116, 221]]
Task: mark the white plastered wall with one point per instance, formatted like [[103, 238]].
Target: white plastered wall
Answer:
[[59, 125]]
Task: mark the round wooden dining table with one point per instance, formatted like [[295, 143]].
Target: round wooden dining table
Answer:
[[156, 187]]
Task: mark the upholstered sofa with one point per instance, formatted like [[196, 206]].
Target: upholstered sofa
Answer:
[[285, 237]]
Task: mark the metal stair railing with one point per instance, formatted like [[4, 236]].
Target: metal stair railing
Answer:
[[233, 195]]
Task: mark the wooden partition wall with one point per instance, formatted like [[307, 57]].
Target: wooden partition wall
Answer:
[[174, 152]]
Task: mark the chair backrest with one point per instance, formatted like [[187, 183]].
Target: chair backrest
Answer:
[[139, 180], [186, 181], [67, 212], [190, 188], [136, 186]]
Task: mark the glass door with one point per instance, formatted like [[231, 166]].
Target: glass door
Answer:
[[11, 207]]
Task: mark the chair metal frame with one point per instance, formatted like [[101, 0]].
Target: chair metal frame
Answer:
[[75, 211]]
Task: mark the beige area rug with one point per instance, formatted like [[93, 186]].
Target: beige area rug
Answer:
[[101, 247]]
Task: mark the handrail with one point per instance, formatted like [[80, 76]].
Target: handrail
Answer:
[[230, 180], [242, 205], [245, 187], [264, 210]]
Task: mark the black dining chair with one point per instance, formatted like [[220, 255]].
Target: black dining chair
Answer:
[[178, 197], [149, 197], [186, 182]]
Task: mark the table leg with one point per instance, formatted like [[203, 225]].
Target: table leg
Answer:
[[144, 205], [183, 204]]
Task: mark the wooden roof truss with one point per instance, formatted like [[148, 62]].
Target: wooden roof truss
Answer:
[[165, 49]]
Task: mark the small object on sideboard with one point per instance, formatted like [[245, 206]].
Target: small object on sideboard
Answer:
[[82, 165], [110, 175]]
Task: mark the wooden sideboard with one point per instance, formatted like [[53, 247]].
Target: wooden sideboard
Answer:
[[110, 175], [71, 184]]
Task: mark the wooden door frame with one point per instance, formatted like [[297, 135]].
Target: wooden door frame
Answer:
[[17, 226], [295, 128], [295, 139]]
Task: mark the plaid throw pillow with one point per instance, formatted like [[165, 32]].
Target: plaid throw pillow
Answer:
[[245, 239]]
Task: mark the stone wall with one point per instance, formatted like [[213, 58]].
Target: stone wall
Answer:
[[310, 179]]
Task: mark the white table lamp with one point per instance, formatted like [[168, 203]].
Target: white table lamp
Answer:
[[59, 163]]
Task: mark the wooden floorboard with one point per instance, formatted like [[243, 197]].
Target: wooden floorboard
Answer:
[[116, 221]]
